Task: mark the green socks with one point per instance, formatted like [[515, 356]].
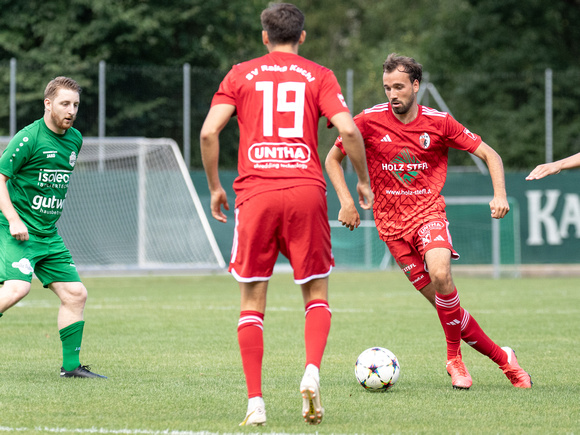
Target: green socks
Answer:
[[71, 338]]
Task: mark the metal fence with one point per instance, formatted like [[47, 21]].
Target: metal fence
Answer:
[[159, 101]]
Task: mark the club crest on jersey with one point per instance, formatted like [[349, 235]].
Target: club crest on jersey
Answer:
[[425, 140], [73, 159]]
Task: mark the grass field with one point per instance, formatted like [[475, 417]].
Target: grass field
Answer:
[[169, 347]]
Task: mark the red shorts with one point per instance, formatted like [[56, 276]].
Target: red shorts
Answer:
[[292, 221], [409, 251]]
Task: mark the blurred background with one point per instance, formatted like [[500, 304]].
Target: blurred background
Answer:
[[487, 59], [508, 70]]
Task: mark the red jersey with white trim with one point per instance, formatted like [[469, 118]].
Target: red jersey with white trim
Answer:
[[408, 165], [279, 99]]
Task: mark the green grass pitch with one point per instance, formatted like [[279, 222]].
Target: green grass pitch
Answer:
[[169, 347]]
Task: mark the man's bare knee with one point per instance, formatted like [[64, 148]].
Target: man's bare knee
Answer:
[[12, 292]]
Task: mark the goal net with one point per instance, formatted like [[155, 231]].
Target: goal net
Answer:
[[486, 245], [131, 206]]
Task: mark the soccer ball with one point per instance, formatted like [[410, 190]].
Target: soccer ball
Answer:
[[377, 369]]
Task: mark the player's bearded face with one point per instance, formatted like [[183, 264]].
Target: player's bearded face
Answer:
[[403, 105], [400, 91], [64, 108], [63, 122]]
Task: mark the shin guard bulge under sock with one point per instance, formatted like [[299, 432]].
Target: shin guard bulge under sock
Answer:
[[473, 335], [71, 337], [251, 341], [316, 330], [448, 310]]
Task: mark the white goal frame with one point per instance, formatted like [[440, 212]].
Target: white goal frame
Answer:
[[188, 213]]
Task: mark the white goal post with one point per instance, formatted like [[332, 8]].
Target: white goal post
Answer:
[[131, 206]]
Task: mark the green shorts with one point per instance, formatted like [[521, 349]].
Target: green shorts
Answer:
[[47, 257]]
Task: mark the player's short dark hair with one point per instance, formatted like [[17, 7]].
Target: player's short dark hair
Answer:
[[404, 63], [283, 22], [60, 82]]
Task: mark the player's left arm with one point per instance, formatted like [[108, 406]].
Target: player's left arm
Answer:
[[499, 204]]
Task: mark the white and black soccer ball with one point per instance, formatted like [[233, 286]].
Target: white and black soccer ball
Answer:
[[377, 369]]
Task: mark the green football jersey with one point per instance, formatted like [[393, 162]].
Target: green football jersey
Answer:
[[39, 164]]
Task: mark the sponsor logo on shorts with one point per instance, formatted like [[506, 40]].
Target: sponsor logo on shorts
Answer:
[[406, 268], [417, 279], [435, 225], [23, 266]]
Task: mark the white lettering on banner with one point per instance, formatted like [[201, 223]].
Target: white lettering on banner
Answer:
[[570, 215], [538, 217]]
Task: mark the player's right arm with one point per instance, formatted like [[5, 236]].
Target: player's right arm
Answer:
[[348, 215], [217, 118], [552, 168], [18, 229], [354, 147]]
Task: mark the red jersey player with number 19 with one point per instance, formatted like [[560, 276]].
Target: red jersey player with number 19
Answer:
[[406, 148], [280, 191]]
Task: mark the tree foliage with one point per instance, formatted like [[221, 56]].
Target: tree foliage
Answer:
[[486, 58]]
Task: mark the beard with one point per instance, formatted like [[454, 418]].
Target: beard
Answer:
[[62, 123], [404, 108]]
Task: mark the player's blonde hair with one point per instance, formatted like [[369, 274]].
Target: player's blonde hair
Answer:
[[60, 82]]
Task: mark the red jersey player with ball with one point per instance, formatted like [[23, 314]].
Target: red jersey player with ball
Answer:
[[406, 148], [280, 190]]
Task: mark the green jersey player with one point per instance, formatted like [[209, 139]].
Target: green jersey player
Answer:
[[35, 170]]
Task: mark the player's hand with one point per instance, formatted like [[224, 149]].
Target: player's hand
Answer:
[[348, 216], [544, 170], [219, 198], [365, 195], [499, 207], [19, 230]]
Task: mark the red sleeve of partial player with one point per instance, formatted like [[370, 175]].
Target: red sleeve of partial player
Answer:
[[460, 137], [225, 92]]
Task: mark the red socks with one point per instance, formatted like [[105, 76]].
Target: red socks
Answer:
[[251, 340], [449, 313], [459, 324], [473, 335], [316, 330]]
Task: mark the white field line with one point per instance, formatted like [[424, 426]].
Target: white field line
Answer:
[[96, 430]]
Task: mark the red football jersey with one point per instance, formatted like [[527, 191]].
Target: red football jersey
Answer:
[[279, 99], [408, 165]]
